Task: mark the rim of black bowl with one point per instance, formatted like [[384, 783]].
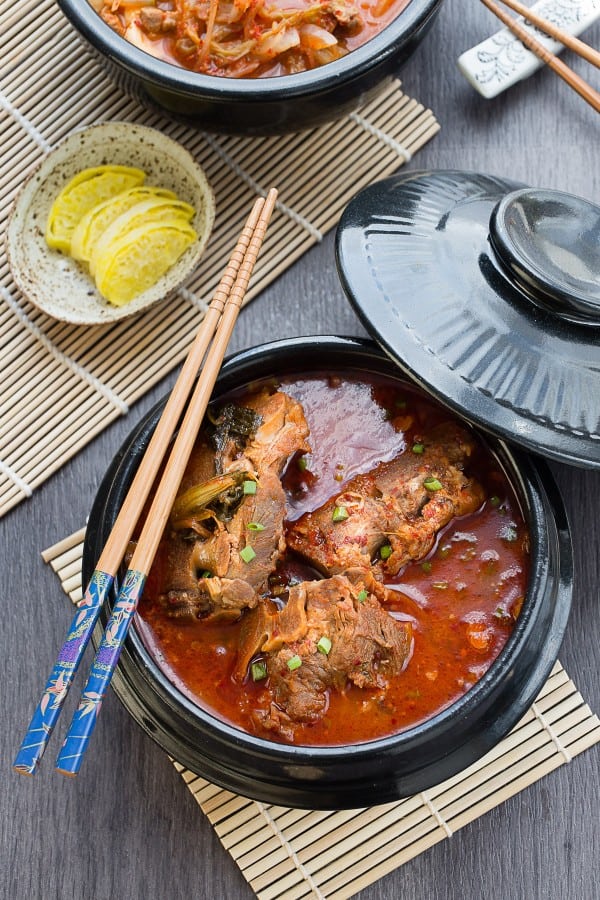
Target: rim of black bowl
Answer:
[[167, 75], [541, 503]]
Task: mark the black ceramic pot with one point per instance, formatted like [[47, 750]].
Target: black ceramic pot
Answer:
[[383, 770], [258, 106]]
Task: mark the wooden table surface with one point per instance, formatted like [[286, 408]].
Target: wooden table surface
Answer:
[[128, 827]]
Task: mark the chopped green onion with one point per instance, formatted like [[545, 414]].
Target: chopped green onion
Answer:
[[432, 484], [418, 448], [340, 514], [386, 551], [249, 487], [324, 645], [509, 533], [294, 662], [206, 574], [400, 403], [247, 553], [362, 596], [255, 526], [258, 670], [495, 501], [426, 566], [302, 463]]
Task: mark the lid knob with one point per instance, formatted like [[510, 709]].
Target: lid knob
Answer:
[[550, 243]]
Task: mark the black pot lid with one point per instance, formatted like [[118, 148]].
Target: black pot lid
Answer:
[[488, 294]]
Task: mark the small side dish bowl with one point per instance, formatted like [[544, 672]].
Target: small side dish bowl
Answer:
[[376, 771], [253, 106], [57, 284]]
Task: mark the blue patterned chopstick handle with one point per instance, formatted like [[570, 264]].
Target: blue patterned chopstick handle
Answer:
[[62, 675], [105, 662]]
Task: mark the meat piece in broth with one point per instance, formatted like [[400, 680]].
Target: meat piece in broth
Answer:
[[331, 633], [392, 514], [282, 432], [220, 567]]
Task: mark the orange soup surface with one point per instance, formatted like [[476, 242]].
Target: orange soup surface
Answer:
[[461, 600]]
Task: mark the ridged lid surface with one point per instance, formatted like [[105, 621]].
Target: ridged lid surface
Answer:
[[417, 262]]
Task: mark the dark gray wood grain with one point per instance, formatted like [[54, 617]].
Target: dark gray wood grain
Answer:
[[128, 827]]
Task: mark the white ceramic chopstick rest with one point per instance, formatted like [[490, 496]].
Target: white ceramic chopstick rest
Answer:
[[501, 61]]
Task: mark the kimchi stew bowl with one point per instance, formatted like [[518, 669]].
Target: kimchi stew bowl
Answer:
[[255, 105], [305, 724]]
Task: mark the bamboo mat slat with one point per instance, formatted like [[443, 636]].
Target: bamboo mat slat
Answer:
[[64, 384], [291, 854]]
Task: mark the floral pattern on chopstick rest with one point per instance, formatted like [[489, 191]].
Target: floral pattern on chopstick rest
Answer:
[[502, 60]]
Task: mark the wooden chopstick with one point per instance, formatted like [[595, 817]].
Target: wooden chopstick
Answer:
[[80, 630], [574, 80], [84, 719], [568, 40]]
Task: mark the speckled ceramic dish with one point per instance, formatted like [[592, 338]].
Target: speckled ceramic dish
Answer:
[[489, 295], [57, 284]]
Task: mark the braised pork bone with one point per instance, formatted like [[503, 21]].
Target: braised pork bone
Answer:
[[400, 506], [206, 576], [330, 633]]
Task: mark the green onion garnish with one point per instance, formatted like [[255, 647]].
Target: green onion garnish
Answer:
[[302, 463], [206, 574], [294, 662], [426, 566], [258, 671], [249, 487], [386, 551], [255, 526], [400, 403], [340, 514], [495, 501], [418, 448], [432, 484], [362, 596], [247, 553], [509, 533], [324, 645]]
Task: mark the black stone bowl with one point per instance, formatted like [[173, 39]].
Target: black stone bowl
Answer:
[[261, 105], [378, 771]]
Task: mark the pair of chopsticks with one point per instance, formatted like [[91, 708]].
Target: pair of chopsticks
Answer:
[[216, 328], [579, 47]]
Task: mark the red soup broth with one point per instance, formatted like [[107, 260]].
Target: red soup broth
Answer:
[[462, 599], [249, 38]]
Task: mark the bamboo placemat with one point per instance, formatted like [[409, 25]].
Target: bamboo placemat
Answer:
[[62, 384], [291, 854]]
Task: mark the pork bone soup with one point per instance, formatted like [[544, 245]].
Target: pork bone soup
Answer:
[[343, 561], [248, 38]]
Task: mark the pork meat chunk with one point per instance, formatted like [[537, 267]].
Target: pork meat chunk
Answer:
[[210, 571], [342, 615], [399, 506]]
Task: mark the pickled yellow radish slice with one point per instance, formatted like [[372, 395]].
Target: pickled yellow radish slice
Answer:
[[140, 257], [84, 191], [97, 219], [148, 211]]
